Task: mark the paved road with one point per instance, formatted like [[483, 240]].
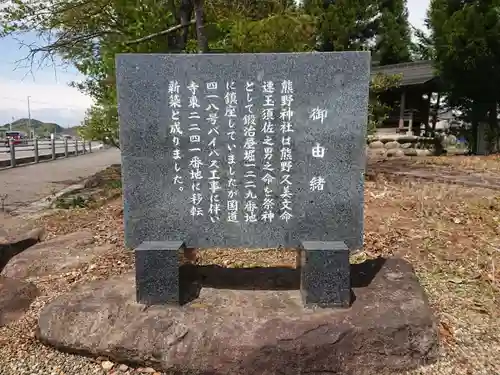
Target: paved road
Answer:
[[44, 149], [30, 183]]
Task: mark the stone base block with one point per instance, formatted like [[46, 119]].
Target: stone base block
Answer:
[[157, 272], [325, 274], [234, 329]]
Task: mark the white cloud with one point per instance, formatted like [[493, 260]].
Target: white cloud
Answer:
[[417, 10], [57, 100], [13, 94]]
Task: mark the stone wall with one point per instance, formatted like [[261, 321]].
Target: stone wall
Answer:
[[407, 145], [400, 145]]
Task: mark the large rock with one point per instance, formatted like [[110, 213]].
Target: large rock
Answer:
[[423, 152], [410, 152], [396, 152], [450, 140], [14, 227], [376, 145], [15, 298], [376, 152], [389, 327], [54, 256], [392, 145], [11, 245]]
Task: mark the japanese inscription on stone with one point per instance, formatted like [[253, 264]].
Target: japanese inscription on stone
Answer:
[[253, 155], [253, 209]]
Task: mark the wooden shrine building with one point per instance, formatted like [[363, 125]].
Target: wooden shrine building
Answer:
[[412, 99]]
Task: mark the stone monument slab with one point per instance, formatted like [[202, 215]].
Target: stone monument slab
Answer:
[[243, 150]]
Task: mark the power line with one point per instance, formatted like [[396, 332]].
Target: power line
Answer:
[[38, 102]]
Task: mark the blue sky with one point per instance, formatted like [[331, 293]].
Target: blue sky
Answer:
[[51, 99]]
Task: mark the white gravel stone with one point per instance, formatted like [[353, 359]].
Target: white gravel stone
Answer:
[[107, 365], [123, 368]]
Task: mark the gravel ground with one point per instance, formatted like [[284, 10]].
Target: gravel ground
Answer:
[[451, 234], [20, 352]]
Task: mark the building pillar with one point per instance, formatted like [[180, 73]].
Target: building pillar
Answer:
[[410, 124], [435, 113], [428, 115], [402, 110]]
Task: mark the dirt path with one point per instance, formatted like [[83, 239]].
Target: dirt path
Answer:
[[26, 184], [444, 173]]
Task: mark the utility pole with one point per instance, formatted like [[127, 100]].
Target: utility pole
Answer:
[[29, 118], [10, 125]]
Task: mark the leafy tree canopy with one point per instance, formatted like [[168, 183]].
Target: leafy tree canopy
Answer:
[[466, 41], [394, 35], [89, 33]]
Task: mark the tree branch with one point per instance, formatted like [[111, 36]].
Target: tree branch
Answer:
[[164, 32]]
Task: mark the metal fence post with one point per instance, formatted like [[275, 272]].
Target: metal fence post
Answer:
[[90, 146], [53, 145], [76, 147], [65, 147], [35, 144], [12, 148], [83, 146]]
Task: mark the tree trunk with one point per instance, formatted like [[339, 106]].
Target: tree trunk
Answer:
[[200, 26], [497, 131], [475, 119], [186, 12], [173, 38], [493, 127]]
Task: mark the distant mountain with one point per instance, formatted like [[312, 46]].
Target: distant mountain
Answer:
[[41, 129]]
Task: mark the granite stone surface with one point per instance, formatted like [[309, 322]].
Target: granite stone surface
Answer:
[[389, 328], [325, 274], [243, 150], [157, 272]]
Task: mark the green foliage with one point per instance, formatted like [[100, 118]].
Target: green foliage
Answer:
[[355, 24], [393, 35], [72, 203], [377, 110], [114, 184], [423, 48], [466, 38], [89, 34], [344, 24], [286, 32], [101, 124]]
